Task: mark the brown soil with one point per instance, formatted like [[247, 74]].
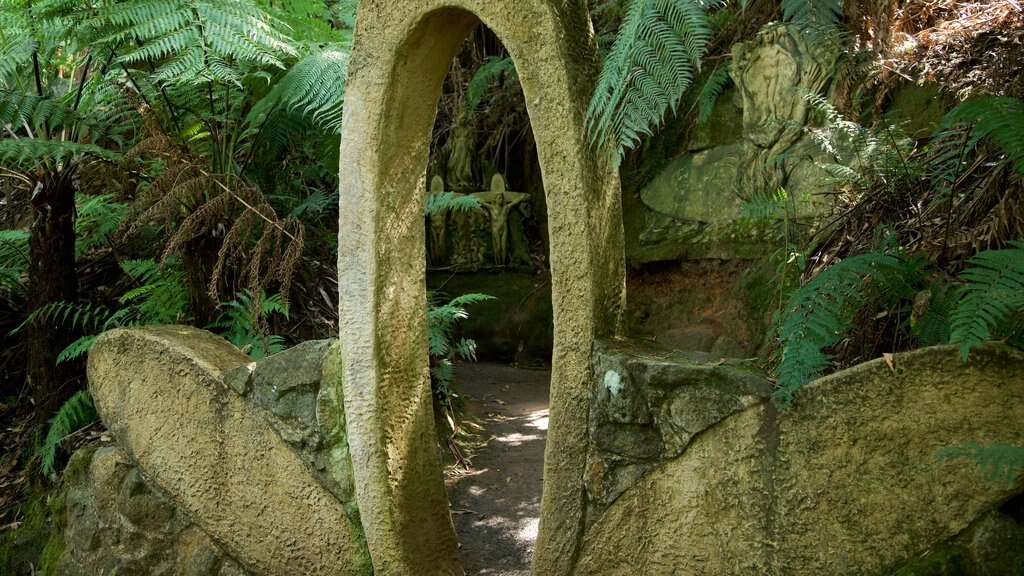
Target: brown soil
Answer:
[[496, 502]]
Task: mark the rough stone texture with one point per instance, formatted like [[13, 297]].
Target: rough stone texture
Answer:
[[299, 393], [695, 201], [401, 52], [648, 405], [845, 482], [117, 523], [162, 393]]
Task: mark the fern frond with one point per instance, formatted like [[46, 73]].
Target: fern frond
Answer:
[[821, 313], [443, 201], [813, 14], [991, 298], [30, 153], [658, 50], [492, 70], [1002, 462], [314, 86], [77, 413], [1000, 119], [76, 349], [711, 90]]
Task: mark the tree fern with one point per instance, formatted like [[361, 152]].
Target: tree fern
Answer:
[[1001, 462], [77, 413], [822, 311], [195, 41], [655, 56], [992, 299], [314, 86]]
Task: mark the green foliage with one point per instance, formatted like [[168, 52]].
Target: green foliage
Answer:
[[314, 86], [444, 201], [13, 263], [78, 412], [442, 319], [711, 90], [194, 41], [992, 299], [657, 52], [813, 14], [999, 119], [822, 312], [97, 218], [492, 70], [160, 296], [243, 323], [1001, 462]]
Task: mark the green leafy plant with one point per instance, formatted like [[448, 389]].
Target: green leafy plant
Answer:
[[492, 70], [1002, 462], [822, 311], [159, 296], [991, 301], [13, 263], [656, 54], [244, 323], [442, 318], [77, 413]]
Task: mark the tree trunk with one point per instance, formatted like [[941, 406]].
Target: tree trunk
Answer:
[[52, 279]]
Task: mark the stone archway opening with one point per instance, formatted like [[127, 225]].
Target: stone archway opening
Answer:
[[401, 54], [496, 423]]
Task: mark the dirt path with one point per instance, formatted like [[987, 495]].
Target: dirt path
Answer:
[[496, 504]]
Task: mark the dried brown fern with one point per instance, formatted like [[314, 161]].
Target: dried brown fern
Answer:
[[255, 248]]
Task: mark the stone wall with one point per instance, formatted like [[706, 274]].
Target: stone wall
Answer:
[[714, 480], [223, 465]]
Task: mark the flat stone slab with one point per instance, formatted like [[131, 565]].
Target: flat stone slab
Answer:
[[848, 481], [161, 391]]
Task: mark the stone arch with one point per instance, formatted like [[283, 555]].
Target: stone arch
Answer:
[[401, 52]]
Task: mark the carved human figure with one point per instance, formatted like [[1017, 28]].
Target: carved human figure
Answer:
[[460, 161], [774, 72], [438, 225], [498, 203]]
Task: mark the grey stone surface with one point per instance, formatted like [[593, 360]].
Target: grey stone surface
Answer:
[[117, 523], [648, 404], [242, 468], [845, 482]]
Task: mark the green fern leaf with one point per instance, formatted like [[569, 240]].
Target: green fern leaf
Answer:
[[991, 298], [77, 413], [492, 70], [821, 312], [1000, 119], [656, 53], [1003, 463], [813, 14]]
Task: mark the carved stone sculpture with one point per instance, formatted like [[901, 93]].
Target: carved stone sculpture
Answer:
[[498, 203], [460, 161], [438, 225]]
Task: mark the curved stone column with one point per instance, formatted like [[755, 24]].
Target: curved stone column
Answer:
[[401, 52]]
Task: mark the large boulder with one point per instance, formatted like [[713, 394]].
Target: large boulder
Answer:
[[264, 473], [847, 481], [116, 522]]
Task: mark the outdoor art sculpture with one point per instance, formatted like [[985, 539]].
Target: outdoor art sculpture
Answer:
[[439, 224], [697, 198], [460, 161], [499, 204]]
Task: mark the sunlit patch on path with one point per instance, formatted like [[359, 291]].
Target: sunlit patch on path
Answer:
[[496, 504]]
